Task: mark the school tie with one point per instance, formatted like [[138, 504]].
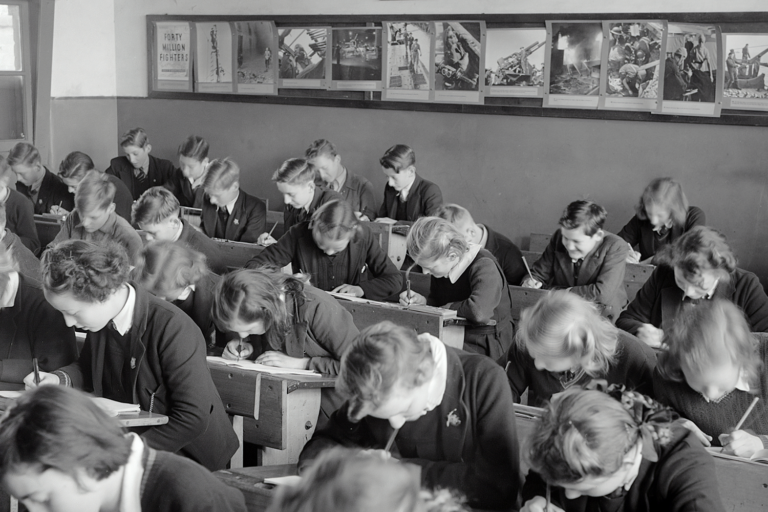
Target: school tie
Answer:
[[140, 175], [221, 227], [333, 186]]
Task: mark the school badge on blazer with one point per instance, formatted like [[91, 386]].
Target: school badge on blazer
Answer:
[[133, 363], [452, 420], [236, 222]]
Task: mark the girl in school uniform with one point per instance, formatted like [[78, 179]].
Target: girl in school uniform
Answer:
[[661, 216], [563, 342], [697, 267], [710, 372], [295, 179], [73, 169], [288, 323], [20, 214], [442, 409], [407, 196], [337, 252], [594, 451], [465, 278], [139, 350]]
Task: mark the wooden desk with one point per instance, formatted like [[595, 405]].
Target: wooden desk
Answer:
[[237, 254], [48, 226], [128, 420], [523, 298], [193, 216], [276, 412], [250, 481], [392, 243]]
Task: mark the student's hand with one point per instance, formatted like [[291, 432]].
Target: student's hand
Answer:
[[539, 504], [45, 379], [647, 261], [280, 360], [633, 256], [383, 454], [231, 350], [740, 443], [413, 298], [531, 283], [349, 289], [361, 217], [58, 210], [265, 239], [385, 220], [650, 335], [704, 438]]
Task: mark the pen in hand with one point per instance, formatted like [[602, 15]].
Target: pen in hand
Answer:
[[37, 371], [239, 348]]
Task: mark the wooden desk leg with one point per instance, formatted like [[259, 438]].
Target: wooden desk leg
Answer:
[[302, 411], [237, 458]]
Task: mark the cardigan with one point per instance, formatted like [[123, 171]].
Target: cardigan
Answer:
[[170, 376], [29, 265], [160, 172], [20, 219], [468, 442], [660, 299], [715, 418], [633, 366], [601, 278], [481, 296], [247, 221], [369, 266], [640, 233], [199, 241], [358, 192], [424, 199], [32, 328], [292, 215], [115, 228], [53, 192], [682, 480], [507, 254]]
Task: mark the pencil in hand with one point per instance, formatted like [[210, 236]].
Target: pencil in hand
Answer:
[[36, 367]]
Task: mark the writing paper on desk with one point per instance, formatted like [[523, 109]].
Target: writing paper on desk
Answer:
[[283, 480], [256, 367], [423, 308], [114, 408], [10, 394]]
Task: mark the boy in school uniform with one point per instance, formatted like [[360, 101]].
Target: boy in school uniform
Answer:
[[95, 218], [407, 196], [62, 453], [138, 169], [584, 259], [187, 185], [33, 180], [72, 170], [29, 265], [228, 212], [506, 253], [356, 190], [157, 213], [20, 213]]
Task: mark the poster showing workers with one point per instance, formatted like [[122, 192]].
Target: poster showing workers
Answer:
[[302, 61], [214, 62], [573, 62], [514, 62], [407, 58], [746, 60]]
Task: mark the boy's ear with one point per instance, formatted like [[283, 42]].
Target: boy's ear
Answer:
[[148, 148], [86, 483], [111, 208], [599, 235]]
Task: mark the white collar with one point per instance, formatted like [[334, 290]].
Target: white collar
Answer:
[[197, 182], [8, 298], [341, 180], [743, 383], [466, 259], [484, 238], [179, 231], [668, 225], [124, 319], [440, 377], [6, 192], [407, 190], [231, 205], [133, 474], [186, 293]]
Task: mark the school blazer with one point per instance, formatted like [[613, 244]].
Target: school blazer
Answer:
[[601, 278], [424, 199], [123, 197], [115, 228], [199, 241], [507, 254], [170, 376], [640, 232], [369, 266], [181, 187], [468, 442], [659, 300], [52, 192], [160, 172], [199, 305], [32, 328], [20, 219], [292, 216], [29, 265], [246, 222], [358, 192]]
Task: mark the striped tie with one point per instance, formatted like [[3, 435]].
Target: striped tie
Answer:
[[140, 175]]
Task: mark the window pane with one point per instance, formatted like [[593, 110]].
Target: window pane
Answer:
[[10, 38], [12, 107]]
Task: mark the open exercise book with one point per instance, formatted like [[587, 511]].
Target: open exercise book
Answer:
[[111, 407], [422, 308], [244, 364], [760, 456]]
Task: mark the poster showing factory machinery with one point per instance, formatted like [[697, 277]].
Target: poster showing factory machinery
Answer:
[[514, 62], [458, 56], [631, 64], [214, 63], [255, 54], [692, 83], [173, 52], [407, 60], [302, 57], [572, 65], [356, 63], [746, 58]]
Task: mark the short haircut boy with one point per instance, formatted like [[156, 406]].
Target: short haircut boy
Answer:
[[321, 147], [431, 238], [294, 171], [94, 192], [454, 214], [75, 165], [135, 137], [584, 213], [398, 157], [194, 147], [24, 153], [221, 175], [154, 206]]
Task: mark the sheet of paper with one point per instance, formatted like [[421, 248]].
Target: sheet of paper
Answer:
[[114, 408], [11, 394], [251, 366], [283, 480]]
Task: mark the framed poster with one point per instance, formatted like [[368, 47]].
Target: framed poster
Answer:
[[173, 56], [573, 60], [214, 64], [356, 64], [408, 60], [459, 47], [255, 54], [744, 74], [302, 57], [514, 62]]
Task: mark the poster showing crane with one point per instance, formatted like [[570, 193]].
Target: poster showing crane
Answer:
[[459, 47], [631, 64], [214, 63], [746, 59], [302, 57], [573, 59], [514, 62], [255, 53], [407, 58]]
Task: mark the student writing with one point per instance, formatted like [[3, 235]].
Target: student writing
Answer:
[[73, 169], [407, 196], [44, 189]]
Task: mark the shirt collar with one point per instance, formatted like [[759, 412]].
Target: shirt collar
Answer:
[[437, 384], [8, 298], [668, 225], [743, 383], [484, 237], [124, 319], [186, 293], [341, 180], [407, 190], [179, 231], [230, 206], [197, 182], [466, 259], [5, 192], [133, 474]]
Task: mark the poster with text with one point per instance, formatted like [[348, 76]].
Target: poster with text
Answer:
[[356, 59], [407, 57], [573, 58], [255, 54], [631, 63], [459, 47], [214, 63], [302, 54], [692, 69], [173, 56], [514, 62], [746, 57]]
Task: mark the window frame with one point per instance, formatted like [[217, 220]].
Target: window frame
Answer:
[[25, 74]]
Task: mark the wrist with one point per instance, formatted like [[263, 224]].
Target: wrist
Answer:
[[305, 361]]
